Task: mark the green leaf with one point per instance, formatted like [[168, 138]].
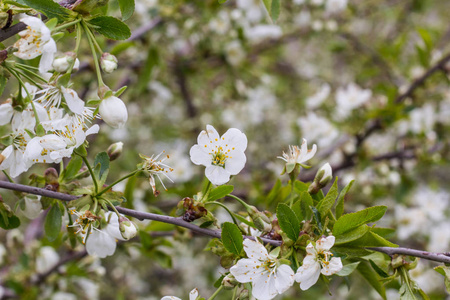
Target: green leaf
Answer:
[[221, 1], [220, 192], [288, 221], [444, 271], [406, 293], [377, 269], [232, 238], [352, 235], [305, 205], [102, 160], [340, 202], [111, 27], [51, 9], [268, 5], [9, 222], [371, 239], [347, 269], [275, 10], [126, 8], [72, 168], [3, 81], [372, 278], [351, 221], [326, 203], [53, 223]]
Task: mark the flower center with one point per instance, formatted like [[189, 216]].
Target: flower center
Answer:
[[219, 158]]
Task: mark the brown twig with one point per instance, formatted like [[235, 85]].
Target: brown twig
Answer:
[[439, 257]]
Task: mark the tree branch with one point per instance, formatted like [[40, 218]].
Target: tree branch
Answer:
[[439, 257]]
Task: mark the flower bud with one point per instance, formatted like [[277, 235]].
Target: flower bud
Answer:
[[243, 295], [108, 62], [261, 221], [323, 177], [33, 206], [62, 63], [114, 151], [127, 228], [229, 282], [113, 111], [51, 175]]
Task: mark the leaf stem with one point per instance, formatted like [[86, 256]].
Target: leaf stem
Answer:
[[64, 26], [94, 54], [226, 208], [117, 181], [216, 293], [86, 162], [239, 200]]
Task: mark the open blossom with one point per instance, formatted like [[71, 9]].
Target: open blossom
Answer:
[[222, 156], [318, 260], [52, 96], [297, 155], [268, 277], [155, 168], [33, 206], [36, 40], [192, 296]]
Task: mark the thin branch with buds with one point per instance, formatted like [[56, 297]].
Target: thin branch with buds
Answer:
[[438, 257]]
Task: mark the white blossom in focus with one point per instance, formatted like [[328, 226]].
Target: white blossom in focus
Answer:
[[155, 168], [36, 40], [222, 156], [52, 96], [318, 260], [268, 277], [193, 295]]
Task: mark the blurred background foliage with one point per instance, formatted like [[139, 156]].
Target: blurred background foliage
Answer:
[[192, 63]]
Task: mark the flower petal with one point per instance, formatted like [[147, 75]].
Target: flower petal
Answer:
[[255, 250], [325, 244], [334, 266], [193, 294], [307, 274], [284, 278], [74, 102], [264, 287], [235, 138], [101, 244], [235, 163], [199, 156], [217, 175]]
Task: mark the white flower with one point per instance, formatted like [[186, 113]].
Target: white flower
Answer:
[[46, 259], [262, 32], [114, 112], [222, 156], [102, 243], [192, 296], [33, 206], [51, 97], [156, 168], [321, 95], [350, 98], [234, 52], [318, 260], [268, 277], [6, 113], [335, 6], [318, 129], [298, 155], [36, 40]]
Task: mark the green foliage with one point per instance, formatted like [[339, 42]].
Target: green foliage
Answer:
[[72, 168], [372, 278], [101, 166], [53, 222], [51, 9], [326, 203], [340, 202], [444, 271], [110, 27], [351, 221], [220, 192], [126, 8], [232, 238], [348, 269], [288, 221], [273, 8]]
